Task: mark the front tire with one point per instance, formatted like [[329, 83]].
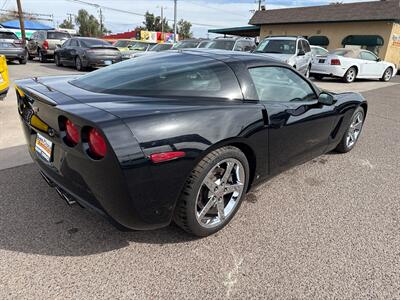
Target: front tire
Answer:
[[350, 75], [213, 192], [353, 132], [78, 64], [387, 75], [307, 74], [24, 60], [57, 60]]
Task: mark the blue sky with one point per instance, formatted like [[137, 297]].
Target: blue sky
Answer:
[[204, 14]]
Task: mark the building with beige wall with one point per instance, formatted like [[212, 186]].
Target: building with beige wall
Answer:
[[370, 25]]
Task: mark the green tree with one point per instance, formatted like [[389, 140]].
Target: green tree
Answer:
[[89, 25], [154, 23], [67, 24], [184, 28]]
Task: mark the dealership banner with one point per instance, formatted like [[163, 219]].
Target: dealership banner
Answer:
[[156, 36]]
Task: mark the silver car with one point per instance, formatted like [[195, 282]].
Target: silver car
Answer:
[[11, 47], [295, 51]]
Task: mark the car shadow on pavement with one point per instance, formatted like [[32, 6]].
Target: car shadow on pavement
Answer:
[[34, 219]]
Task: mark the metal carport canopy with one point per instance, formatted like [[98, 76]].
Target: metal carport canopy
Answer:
[[248, 31]]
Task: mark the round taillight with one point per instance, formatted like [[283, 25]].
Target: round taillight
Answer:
[[97, 143], [72, 132]]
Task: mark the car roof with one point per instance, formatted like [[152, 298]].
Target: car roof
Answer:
[[228, 56]]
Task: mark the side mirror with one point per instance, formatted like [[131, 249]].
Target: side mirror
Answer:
[[378, 59], [58, 46], [301, 53], [326, 99]]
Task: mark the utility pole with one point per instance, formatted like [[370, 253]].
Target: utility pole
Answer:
[[175, 17], [101, 21], [21, 22], [162, 22], [70, 17], [259, 4]]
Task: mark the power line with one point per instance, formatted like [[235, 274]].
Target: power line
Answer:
[[131, 12]]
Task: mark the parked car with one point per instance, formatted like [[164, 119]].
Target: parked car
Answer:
[[350, 64], [233, 44], [156, 49], [180, 121], [190, 43], [11, 47], [4, 80], [123, 44], [42, 43], [295, 51], [318, 53], [136, 47], [83, 53]]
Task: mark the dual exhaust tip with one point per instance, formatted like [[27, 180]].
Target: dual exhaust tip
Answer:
[[64, 195]]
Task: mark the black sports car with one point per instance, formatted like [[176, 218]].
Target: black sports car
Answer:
[[83, 53], [180, 136]]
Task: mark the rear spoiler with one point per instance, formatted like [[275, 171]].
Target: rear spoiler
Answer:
[[31, 94]]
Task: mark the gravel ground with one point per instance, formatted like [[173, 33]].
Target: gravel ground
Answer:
[[329, 228]]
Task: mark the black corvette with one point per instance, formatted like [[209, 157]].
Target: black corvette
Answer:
[[180, 136]]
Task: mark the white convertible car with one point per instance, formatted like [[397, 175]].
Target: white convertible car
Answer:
[[350, 64]]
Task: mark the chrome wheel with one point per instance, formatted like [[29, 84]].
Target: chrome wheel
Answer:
[[388, 74], [351, 75], [355, 129], [220, 192]]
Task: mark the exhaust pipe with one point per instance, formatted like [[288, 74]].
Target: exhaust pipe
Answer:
[[70, 201]]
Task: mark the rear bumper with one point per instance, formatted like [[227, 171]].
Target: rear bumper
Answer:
[[48, 52], [120, 186], [97, 62], [17, 53], [328, 70]]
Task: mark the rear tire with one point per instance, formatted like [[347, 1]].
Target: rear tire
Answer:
[[307, 75], [387, 75], [350, 75], [211, 197], [23, 61], [353, 132], [30, 57]]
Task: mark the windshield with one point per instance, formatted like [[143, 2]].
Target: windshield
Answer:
[[277, 46], [122, 43], [186, 44], [167, 74], [203, 44], [161, 47], [93, 42], [220, 44], [56, 35], [8, 36]]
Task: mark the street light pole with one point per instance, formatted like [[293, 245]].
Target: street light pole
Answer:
[[162, 23], [175, 25], [21, 22]]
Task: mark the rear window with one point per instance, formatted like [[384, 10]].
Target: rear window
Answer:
[[93, 42], [167, 74], [345, 53], [54, 35], [8, 36]]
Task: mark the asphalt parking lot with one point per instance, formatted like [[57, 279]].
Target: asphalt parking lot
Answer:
[[329, 228]]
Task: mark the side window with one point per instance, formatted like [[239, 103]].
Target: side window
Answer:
[[66, 43], [43, 35], [280, 84], [74, 43], [367, 56]]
